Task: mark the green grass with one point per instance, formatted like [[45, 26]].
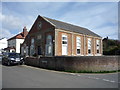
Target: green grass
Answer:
[[84, 71], [71, 71]]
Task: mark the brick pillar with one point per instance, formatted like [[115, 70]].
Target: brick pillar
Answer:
[[72, 45], [85, 46]]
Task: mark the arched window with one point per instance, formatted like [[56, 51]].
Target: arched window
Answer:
[[32, 41], [49, 40], [32, 47], [49, 45]]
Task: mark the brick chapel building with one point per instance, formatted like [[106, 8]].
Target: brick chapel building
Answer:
[[49, 37]]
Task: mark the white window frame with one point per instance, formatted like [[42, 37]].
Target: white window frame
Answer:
[[98, 47], [78, 44], [65, 40], [66, 44], [89, 46]]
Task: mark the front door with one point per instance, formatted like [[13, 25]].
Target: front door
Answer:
[[64, 45], [39, 51]]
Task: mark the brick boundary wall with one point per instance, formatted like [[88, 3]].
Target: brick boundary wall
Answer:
[[82, 63]]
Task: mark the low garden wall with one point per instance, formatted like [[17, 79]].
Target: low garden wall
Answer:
[[82, 63]]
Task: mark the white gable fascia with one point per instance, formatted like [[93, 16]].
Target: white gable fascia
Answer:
[[48, 21]]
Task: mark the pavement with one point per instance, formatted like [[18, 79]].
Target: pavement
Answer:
[[24, 76]]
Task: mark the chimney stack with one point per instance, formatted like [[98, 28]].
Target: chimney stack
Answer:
[[25, 31]]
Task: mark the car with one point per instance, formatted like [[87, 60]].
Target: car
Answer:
[[11, 59]]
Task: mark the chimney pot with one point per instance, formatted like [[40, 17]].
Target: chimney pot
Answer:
[[24, 31]]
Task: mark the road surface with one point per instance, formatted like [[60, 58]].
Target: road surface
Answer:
[[23, 76]]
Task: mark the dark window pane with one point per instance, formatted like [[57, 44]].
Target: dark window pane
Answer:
[[89, 51], [97, 44], [39, 51], [64, 38], [97, 51], [64, 42], [78, 51], [14, 55]]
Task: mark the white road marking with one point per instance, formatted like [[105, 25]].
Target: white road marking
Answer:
[[102, 79], [97, 78], [74, 74], [112, 81], [93, 77], [109, 81], [90, 77], [78, 75], [106, 80]]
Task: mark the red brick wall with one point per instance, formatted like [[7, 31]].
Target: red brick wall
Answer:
[[45, 29], [70, 50], [74, 39], [59, 45], [74, 44], [45, 25], [82, 44], [69, 44]]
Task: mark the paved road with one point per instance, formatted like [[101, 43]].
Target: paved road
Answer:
[[32, 77]]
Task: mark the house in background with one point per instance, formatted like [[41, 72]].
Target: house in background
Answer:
[[3, 44], [49, 37], [15, 41]]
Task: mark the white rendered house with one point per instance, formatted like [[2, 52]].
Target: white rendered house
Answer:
[[15, 41], [3, 44]]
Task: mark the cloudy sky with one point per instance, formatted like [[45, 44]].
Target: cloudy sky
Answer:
[[99, 17]]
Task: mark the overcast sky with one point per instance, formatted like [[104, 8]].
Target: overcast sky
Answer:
[[99, 17]]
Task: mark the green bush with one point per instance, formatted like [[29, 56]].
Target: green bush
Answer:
[[111, 47]]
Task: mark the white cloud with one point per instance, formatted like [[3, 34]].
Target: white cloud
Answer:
[[60, 0], [101, 19], [12, 25], [10, 22], [111, 32], [6, 33]]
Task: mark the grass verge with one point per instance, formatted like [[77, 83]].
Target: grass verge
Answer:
[[71, 71]]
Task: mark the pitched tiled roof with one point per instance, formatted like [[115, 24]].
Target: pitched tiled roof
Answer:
[[70, 27], [18, 36]]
